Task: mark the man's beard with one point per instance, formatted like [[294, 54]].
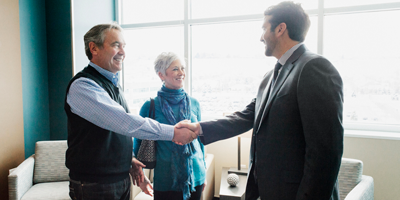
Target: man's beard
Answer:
[[270, 47]]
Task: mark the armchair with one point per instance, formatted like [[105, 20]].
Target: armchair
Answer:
[[42, 175], [352, 184]]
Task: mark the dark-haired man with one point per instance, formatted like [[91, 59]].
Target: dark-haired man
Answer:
[[297, 141]]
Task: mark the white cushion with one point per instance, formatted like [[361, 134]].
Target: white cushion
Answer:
[[50, 162], [44, 191]]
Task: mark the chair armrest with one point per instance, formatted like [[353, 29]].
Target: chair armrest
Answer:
[[20, 179], [364, 190]]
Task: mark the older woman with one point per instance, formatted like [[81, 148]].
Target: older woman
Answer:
[[180, 170]]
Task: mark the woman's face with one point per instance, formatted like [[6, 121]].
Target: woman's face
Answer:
[[174, 75]]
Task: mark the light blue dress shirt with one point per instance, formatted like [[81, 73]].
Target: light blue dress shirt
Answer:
[[90, 101]]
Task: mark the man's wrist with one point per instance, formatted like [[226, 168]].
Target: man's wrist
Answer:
[[168, 133]]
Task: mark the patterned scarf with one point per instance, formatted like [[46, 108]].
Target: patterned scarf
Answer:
[[182, 165]]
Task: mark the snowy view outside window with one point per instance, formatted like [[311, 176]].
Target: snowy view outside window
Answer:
[[369, 62], [227, 62]]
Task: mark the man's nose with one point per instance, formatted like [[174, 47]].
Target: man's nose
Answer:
[[122, 51]]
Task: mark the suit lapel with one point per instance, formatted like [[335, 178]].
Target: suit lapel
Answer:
[[262, 94], [286, 69]]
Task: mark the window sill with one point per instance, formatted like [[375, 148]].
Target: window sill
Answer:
[[372, 134]]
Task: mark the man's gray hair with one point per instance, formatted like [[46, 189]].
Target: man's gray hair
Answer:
[[97, 34], [164, 60]]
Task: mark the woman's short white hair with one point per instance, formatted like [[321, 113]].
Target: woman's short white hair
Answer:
[[164, 60]]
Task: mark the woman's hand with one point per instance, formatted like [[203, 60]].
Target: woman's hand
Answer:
[[204, 185], [136, 171], [146, 186]]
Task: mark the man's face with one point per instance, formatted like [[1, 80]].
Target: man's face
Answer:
[[268, 37], [112, 54]]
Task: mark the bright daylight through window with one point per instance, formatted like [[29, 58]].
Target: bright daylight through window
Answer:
[[220, 41]]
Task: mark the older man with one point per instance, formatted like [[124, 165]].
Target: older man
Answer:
[[100, 127]]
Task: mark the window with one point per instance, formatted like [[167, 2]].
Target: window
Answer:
[[135, 11], [223, 8], [369, 64], [225, 58]]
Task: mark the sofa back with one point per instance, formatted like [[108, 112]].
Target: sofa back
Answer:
[[50, 161], [350, 174]]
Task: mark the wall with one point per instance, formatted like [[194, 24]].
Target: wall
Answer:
[[381, 160], [36, 61], [59, 60], [35, 86], [11, 114]]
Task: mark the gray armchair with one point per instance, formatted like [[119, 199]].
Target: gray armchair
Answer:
[[41, 176], [352, 184]]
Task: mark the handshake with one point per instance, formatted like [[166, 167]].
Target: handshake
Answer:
[[185, 132]]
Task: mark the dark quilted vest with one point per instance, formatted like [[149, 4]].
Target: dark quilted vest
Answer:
[[95, 154]]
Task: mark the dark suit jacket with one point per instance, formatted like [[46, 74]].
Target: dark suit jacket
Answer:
[[297, 141]]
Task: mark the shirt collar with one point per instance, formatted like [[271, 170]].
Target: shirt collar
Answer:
[[114, 78], [288, 53]]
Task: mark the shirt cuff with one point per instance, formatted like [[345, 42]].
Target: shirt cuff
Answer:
[[167, 132], [201, 131]]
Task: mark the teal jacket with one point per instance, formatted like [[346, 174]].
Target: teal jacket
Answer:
[[162, 171]]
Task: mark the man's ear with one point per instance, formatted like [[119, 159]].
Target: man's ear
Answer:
[[280, 29], [93, 48]]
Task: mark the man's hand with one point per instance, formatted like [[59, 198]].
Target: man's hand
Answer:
[[136, 171], [146, 186], [183, 136], [195, 127]]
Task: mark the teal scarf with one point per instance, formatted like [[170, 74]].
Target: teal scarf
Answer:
[[181, 159]]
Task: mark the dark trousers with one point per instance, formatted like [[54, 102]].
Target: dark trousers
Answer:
[[174, 195], [79, 190]]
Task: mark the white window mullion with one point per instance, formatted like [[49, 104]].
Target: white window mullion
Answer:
[[187, 46], [320, 27]]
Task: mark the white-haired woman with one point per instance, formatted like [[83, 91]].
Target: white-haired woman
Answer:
[[180, 170]]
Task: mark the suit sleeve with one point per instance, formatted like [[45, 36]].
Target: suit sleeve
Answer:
[[320, 101], [229, 126]]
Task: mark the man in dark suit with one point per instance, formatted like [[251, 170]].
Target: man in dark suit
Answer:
[[297, 141]]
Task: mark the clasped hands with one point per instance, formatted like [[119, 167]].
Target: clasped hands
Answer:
[[185, 132]]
